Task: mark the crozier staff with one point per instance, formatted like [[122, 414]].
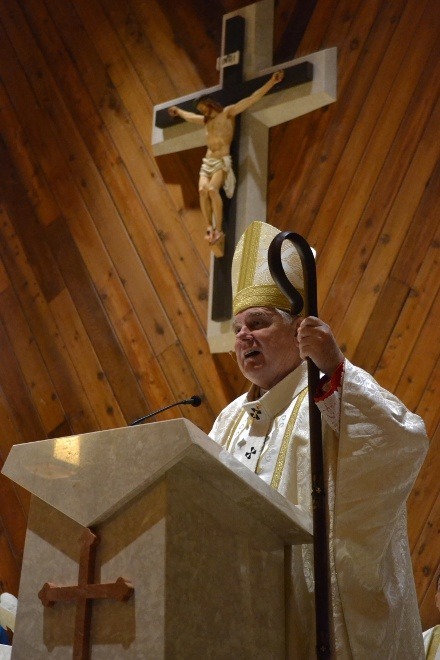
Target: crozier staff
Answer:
[[373, 450], [216, 170]]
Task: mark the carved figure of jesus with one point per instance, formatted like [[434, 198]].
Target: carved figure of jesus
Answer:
[[216, 170]]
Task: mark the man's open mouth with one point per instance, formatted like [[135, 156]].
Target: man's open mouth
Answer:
[[251, 353]]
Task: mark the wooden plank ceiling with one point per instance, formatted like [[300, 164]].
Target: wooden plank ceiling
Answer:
[[103, 269]]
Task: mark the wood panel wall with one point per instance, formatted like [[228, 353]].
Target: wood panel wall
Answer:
[[103, 269]]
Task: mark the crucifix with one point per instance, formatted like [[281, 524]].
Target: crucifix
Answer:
[[84, 593], [245, 65]]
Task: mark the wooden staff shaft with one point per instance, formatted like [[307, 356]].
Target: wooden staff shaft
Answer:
[[320, 534]]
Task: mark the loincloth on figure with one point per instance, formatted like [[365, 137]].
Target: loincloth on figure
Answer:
[[211, 165]]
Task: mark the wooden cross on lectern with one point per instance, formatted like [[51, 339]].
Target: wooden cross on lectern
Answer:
[[245, 64], [83, 593]]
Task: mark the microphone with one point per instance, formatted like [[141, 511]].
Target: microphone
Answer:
[[193, 401]]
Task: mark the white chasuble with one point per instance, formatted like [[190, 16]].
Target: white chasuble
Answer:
[[371, 463]]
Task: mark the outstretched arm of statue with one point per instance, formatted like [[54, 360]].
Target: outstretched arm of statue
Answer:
[[246, 103], [192, 117]]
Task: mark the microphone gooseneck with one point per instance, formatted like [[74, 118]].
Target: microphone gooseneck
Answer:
[[193, 401]]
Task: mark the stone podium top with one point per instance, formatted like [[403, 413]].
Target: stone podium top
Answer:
[[91, 476]]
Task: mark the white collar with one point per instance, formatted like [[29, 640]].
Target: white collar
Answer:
[[280, 395]]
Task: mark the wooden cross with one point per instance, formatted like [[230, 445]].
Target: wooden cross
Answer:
[[246, 63], [84, 593]]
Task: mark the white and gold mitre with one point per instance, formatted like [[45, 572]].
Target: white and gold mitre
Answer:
[[252, 283]]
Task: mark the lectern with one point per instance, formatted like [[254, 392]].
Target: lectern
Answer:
[[194, 538]]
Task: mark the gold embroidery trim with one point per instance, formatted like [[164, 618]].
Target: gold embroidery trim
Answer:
[[434, 644], [232, 428], [249, 257], [260, 295], [281, 460]]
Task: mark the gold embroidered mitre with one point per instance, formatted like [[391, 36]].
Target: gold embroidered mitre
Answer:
[[252, 283]]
